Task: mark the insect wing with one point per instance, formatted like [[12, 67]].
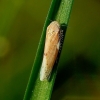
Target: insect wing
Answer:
[[50, 51]]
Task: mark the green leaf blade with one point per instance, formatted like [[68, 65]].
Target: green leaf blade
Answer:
[[41, 90]]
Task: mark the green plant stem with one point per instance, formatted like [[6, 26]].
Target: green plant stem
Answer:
[[41, 90]]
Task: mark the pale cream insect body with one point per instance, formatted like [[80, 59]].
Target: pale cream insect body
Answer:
[[52, 44]]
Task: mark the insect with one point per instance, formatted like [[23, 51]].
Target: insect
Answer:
[[52, 45]]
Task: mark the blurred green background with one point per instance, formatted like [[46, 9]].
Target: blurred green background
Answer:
[[21, 24]]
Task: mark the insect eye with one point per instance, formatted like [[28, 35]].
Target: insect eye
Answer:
[[52, 32]]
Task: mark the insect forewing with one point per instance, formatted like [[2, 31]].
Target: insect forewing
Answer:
[[50, 50]]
